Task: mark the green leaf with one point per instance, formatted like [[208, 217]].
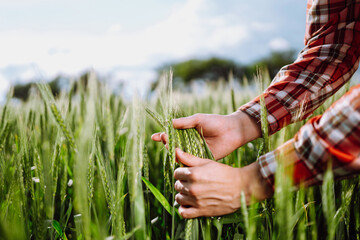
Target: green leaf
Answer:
[[157, 194], [156, 117], [233, 104], [57, 227], [130, 234]]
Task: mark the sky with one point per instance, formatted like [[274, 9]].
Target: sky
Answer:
[[126, 40]]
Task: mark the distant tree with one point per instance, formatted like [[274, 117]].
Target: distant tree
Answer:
[[274, 62], [22, 91], [210, 69], [215, 68]]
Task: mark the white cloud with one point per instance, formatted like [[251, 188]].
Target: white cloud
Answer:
[[189, 29], [279, 44], [263, 26], [28, 74], [115, 28]]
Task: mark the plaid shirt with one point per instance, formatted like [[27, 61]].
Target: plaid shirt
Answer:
[[327, 62]]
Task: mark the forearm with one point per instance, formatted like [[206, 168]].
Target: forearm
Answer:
[[332, 139], [253, 184], [327, 62]]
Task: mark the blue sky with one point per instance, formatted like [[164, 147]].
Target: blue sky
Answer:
[[127, 39]]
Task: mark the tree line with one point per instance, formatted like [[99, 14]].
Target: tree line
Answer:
[[185, 72]]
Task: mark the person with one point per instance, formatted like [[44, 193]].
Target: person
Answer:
[[328, 61]]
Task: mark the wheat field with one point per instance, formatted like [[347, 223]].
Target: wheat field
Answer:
[[81, 165]]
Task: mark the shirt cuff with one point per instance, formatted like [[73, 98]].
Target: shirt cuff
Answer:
[[294, 166], [277, 115], [268, 167]]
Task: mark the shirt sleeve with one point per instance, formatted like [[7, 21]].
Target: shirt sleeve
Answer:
[[331, 138], [327, 62]]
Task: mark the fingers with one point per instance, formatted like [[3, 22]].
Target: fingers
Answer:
[[164, 138], [182, 187], [188, 159], [187, 122], [182, 173], [156, 137], [189, 212], [185, 200], [160, 137]]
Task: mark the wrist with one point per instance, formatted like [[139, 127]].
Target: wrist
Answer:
[[253, 183], [248, 128]]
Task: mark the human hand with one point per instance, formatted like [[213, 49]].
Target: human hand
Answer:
[[222, 133], [208, 188]]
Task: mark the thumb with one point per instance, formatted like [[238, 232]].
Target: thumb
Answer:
[[189, 160], [186, 122]]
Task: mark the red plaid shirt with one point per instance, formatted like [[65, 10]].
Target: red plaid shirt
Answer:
[[327, 62]]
